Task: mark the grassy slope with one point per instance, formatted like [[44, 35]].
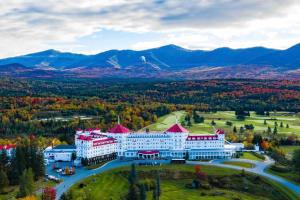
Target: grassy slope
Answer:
[[221, 117], [112, 185], [250, 156], [240, 164]]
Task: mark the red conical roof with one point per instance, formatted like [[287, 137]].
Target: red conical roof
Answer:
[[119, 129], [177, 128]]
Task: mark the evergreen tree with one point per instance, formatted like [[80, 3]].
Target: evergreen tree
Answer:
[[234, 129], [275, 131], [3, 159], [143, 194], [158, 184], [281, 125], [132, 176], [213, 123], [3, 180], [287, 126], [275, 124], [265, 122], [269, 131], [26, 183], [133, 193]]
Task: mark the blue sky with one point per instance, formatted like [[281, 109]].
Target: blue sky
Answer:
[[93, 26]]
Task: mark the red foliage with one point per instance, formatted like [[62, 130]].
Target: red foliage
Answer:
[[197, 169], [49, 193]]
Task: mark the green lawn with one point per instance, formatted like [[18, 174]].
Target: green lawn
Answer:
[[250, 156], [220, 118], [166, 121], [240, 164], [113, 185]]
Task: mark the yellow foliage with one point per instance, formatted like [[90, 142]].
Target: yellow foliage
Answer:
[[30, 198]]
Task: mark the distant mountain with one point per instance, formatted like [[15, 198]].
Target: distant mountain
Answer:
[[156, 62]]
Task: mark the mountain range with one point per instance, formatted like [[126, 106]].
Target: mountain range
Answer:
[[168, 61]]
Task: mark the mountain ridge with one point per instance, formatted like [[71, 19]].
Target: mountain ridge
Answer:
[[164, 59]]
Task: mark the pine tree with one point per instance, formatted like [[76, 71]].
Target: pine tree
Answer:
[[275, 131], [3, 180], [3, 159], [234, 129], [158, 184], [281, 125], [265, 122], [26, 183], [287, 126], [143, 194]]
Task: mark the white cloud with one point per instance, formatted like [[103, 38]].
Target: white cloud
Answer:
[[32, 25]]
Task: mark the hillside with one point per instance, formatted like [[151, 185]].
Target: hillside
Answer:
[[166, 62]]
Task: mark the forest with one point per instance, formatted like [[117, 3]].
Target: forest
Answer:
[[51, 107]]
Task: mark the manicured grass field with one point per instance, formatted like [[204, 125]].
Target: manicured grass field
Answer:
[[240, 164], [250, 156], [113, 185], [166, 121], [220, 118]]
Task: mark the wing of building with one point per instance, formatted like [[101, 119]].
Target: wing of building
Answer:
[[175, 142]]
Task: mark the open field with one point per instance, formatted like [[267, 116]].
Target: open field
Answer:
[[220, 118], [113, 184], [240, 164]]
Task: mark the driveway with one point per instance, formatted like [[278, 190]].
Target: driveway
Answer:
[[82, 173]]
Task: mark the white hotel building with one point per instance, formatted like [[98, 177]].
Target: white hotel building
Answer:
[[173, 143]]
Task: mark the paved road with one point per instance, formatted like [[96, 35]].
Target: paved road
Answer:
[[258, 169]]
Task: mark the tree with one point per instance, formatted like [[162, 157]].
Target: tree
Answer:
[[296, 160], [265, 145], [73, 156], [158, 184], [143, 194], [3, 180], [213, 123], [49, 193], [133, 193], [281, 125], [269, 131], [287, 126], [234, 129], [26, 183], [275, 131], [3, 159], [265, 122]]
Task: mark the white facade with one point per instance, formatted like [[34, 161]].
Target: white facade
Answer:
[[172, 143], [92, 144], [59, 153]]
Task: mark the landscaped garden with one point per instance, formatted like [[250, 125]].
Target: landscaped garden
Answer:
[[178, 182]]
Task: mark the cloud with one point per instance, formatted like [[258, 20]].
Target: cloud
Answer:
[[29, 25]]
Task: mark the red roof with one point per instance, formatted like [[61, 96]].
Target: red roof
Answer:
[[83, 137], [177, 128], [119, 129], [219, 131], [7, 147], [148, 152]]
